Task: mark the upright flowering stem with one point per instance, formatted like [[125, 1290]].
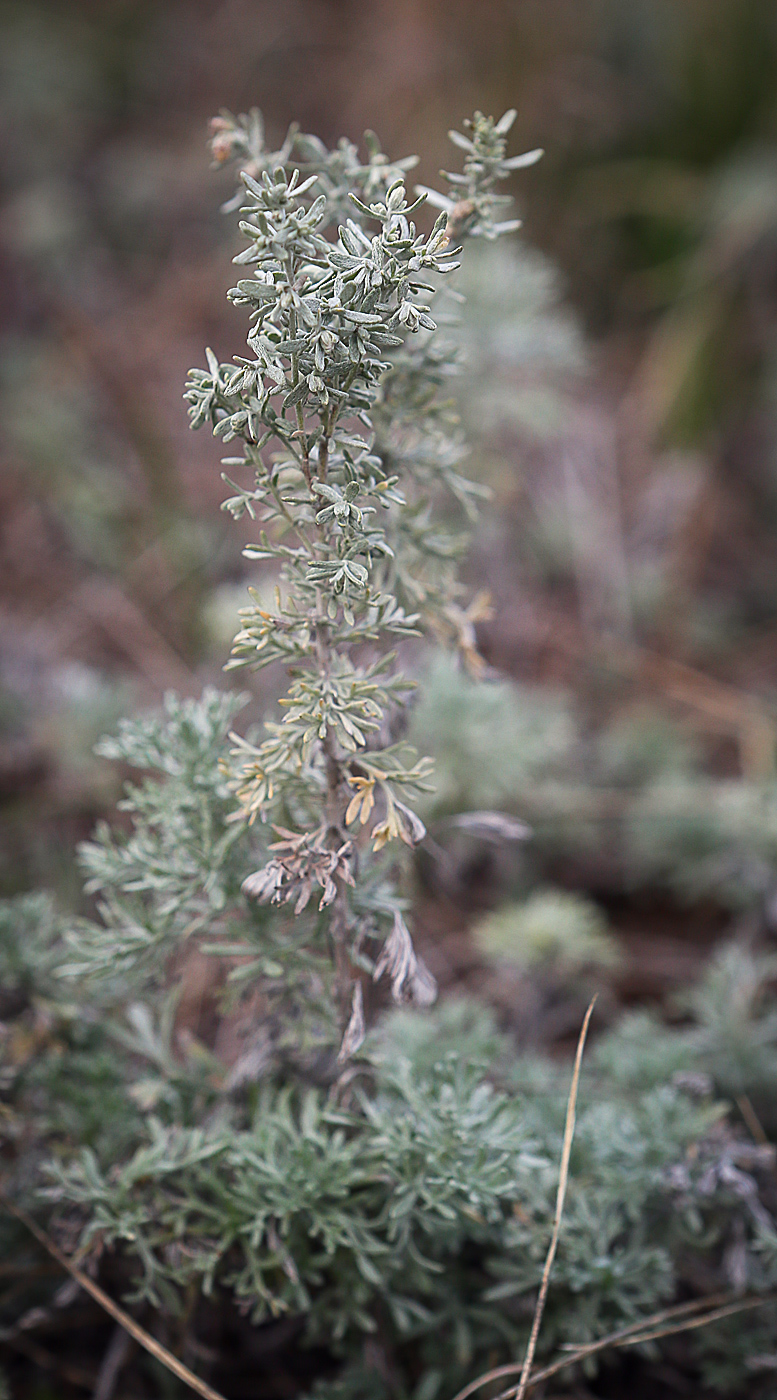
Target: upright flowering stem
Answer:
[[346, 434]]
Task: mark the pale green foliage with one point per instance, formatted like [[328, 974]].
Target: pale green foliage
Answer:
[[352, 449], [732, 1038], [349, 443], [29, 926], [488, 739], [428, 1203], [553, 929], [176, 878], [522, 349], [174, 874], [406, 1198], [630, 794], [472, 202], [645, 745], [60, 1079], [703, 836]]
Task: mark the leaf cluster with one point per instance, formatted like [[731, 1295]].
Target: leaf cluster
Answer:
[[350, 450], [421, 1215]]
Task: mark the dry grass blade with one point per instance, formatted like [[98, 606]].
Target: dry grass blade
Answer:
[[638, 1334], [500, 1373], [648, 1329], [714, 1315], [563, 1177], [752, 1120], [129, 1324]]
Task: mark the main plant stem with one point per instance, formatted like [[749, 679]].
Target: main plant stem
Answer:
[[338, 910], [334, 800]]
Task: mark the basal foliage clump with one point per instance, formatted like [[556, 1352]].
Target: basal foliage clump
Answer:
[[392, 1190]]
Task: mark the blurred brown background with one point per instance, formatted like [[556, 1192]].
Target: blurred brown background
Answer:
[[621, 396]]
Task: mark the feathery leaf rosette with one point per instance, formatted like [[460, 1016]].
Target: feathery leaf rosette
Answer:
[[349, 445]]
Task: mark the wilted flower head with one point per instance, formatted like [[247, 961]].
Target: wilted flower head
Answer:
[[411, 979]]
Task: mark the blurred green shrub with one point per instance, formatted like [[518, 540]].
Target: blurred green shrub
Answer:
[[628, 796], [552, 930], [488, 739], [731, 1036]]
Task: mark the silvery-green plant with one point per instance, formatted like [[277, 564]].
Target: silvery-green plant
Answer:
[[403, 1228], [347, 448]]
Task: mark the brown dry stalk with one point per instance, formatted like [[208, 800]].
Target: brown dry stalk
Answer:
[[563, 1177], [752, 1120], [647, 1329], [100, 1296], [638, 1333]]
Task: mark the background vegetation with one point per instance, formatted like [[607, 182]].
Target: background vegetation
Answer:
[[620, 392]]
